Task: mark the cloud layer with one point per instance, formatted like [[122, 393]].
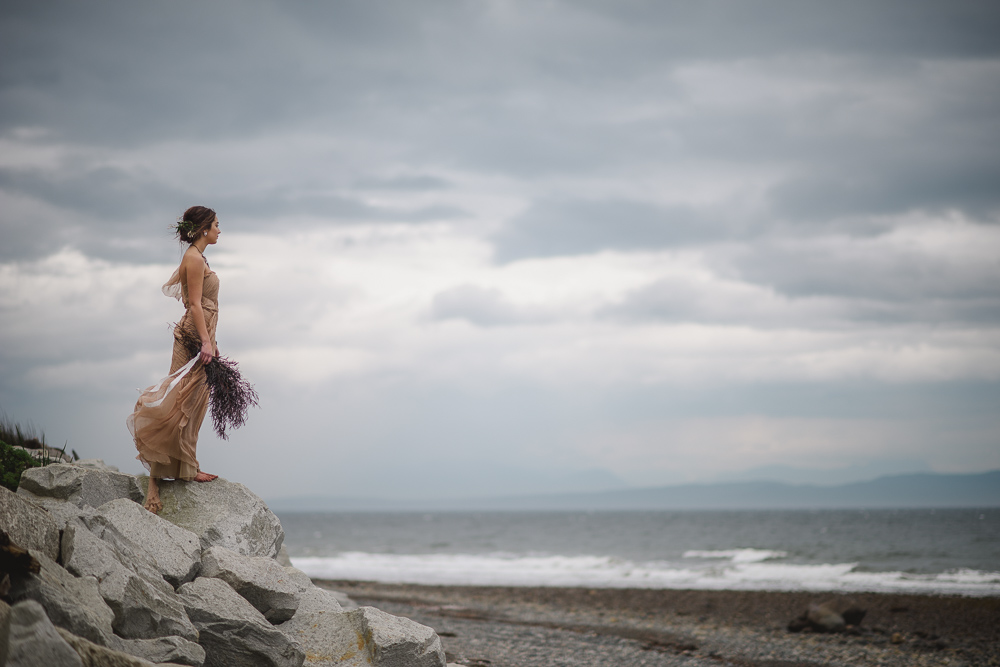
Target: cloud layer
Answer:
[[664, 240]]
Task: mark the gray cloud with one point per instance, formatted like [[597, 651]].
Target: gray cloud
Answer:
[[574, 227], [885, 273], [482, 306], [793, 140]]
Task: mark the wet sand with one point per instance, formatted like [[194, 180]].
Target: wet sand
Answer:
[[542, 627]]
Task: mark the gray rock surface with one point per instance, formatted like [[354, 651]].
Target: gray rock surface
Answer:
[[325, 633], [282, 557], [395, 641], [144, 605], [174, 650], [174, 552], [260, 580], [27, 524], [232, 632], [302, 580], [73, 603], [4, 630], [364, 636], [34, 642], [81, 486], [222, 513], [824, 618], [99, 464], [92, 655]]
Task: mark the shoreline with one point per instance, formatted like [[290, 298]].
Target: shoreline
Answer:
[[505, 626]]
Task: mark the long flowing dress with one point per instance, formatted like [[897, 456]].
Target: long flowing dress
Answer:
[[168, 415]]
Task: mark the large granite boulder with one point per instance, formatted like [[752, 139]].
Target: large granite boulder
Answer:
[[394, 641], [78, 485], [173, 650], [28, 525], [222, 513], [324, 632], [92, 655], [72, 603], [364, 636], [232, 632], [173, 551], [145, 606], [260, 580], [34, 640]]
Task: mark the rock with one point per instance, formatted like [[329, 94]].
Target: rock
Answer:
[[303, 580], [80, 486], [174, 552], [300, 578], [364, 636], [231, 631], [398, 642], [4, 630], [222, 513], [823, 618], [28, 525], [345, 602], [72, 603], [832, 616], [144, 605], [34, 641], [325, 633], [98, 464], [174, 650], [92, 655], [282, 557], [261, 581], [60, 511]]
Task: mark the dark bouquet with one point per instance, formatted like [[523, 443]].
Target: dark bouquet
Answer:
[[230, 394]]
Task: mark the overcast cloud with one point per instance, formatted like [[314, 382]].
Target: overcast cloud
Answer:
[[478, 247]]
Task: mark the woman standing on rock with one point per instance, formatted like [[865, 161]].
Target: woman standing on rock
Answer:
[[168, 415]]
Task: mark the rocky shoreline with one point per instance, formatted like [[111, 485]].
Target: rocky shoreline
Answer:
[[90, 578], [550, 627]]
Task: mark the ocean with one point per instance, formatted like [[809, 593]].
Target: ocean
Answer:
[[944, 551]]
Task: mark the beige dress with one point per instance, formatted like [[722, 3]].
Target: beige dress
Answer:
[[168, 415]]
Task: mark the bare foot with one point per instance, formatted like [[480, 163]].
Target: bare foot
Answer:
[[154, 505], [204, 477]]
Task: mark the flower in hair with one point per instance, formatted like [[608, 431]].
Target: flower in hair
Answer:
[[186, 226]]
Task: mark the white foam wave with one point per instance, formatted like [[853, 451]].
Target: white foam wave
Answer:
[[738, 555], [737, 573]]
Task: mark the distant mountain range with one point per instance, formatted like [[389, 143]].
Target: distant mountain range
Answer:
[[895, 491]]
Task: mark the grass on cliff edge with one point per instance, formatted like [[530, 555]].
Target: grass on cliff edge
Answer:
[[14, 461]]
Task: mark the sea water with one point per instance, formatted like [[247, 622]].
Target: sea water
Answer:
[[951, 551]]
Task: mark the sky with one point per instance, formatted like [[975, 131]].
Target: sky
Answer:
[[498, 247]]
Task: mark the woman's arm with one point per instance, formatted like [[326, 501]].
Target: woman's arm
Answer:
[[193, 269]]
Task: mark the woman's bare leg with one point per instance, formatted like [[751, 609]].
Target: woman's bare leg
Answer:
[[153, 503]]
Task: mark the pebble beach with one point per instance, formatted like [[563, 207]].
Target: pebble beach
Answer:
[[484, 626]]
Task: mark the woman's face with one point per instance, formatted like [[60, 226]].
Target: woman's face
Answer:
[[213, 232]]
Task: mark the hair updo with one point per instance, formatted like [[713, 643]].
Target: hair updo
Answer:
[[195, 220]]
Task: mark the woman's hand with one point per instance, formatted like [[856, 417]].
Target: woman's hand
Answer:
[[206, 351]]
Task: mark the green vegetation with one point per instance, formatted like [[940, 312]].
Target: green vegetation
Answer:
[[14, 461]]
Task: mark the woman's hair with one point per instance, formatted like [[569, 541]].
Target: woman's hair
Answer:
[[195, 220]]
